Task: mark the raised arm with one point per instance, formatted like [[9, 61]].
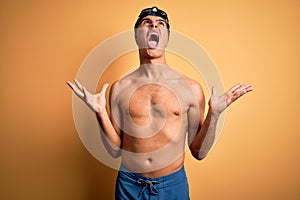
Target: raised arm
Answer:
[[204, 139], [97, 103]]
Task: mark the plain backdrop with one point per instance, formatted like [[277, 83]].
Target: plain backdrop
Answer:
[[43, 43]]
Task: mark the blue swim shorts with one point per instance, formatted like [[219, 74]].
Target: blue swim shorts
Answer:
[[133, 186]]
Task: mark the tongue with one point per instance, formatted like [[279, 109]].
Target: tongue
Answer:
[[152, 44]]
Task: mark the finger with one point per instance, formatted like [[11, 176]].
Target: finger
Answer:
[[213, 91], [89, 99], [75, 89], [78, 84], [239, 93], [70, 84], [85, 92], [244, 89], [248, 88], [231, 90], [104, 88]]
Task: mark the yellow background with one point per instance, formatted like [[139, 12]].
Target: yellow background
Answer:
[[43, 44]]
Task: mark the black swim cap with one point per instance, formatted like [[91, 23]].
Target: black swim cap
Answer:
[[154, 11]]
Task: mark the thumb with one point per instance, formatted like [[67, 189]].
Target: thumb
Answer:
[[104, 88], [213, 91]]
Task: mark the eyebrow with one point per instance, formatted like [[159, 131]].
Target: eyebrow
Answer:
[[160, 19]]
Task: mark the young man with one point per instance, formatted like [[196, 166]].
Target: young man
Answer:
[[152, 110]]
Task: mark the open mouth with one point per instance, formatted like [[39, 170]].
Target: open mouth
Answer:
[[153, 40]]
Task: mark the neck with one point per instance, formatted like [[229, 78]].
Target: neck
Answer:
[[153, 71], [152, 63], [149, 56]]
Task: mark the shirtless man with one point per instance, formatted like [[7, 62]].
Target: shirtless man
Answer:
[[152, 110]]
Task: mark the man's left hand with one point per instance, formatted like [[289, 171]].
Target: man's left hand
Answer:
[[219, 103]]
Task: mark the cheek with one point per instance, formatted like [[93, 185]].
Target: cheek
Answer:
[[140, 35], [165, 37]]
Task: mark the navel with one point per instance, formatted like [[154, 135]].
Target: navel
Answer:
[[176, 113], [149, 160]]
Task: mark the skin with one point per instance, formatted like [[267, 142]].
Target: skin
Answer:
[[154, 107]]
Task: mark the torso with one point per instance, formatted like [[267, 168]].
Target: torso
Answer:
[[154, 125]]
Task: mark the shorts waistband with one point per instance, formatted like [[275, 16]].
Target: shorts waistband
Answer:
[[163, 181]]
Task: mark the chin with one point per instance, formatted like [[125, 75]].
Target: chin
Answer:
[[154, 53]]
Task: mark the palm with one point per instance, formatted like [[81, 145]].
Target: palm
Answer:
[[100, 99], [219, 103], [95, 102]]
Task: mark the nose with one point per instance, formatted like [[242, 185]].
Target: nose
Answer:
[[153, 26]]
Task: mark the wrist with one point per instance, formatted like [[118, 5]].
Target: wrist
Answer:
[[214, 113], [101, 112]]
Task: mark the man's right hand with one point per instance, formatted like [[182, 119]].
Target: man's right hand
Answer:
[[96, 102]]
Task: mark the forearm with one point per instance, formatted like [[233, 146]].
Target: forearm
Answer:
[[111, 139], [205, 138]]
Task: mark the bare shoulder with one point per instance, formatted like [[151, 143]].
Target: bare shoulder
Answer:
[[196, 87], [122, 83], [198, 92], [114, 86], [122, 86]]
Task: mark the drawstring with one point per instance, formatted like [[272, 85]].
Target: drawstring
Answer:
[[149, 184]]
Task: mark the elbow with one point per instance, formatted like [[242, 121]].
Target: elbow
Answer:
[[201, 157], [115, 153], [198, 155], [113, 150]]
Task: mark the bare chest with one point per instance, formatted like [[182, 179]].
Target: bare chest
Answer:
[[154, 100]]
